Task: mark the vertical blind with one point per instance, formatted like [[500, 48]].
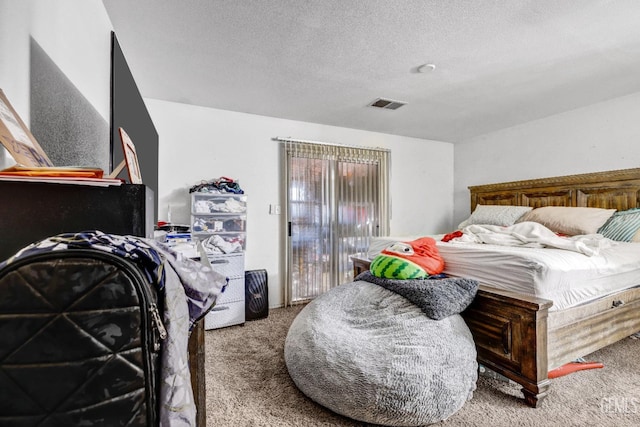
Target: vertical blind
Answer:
[[337, 199]]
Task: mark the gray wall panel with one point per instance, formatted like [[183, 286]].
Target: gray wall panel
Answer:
[[69, 129]]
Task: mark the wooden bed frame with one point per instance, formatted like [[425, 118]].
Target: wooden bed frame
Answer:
[[516, 335]]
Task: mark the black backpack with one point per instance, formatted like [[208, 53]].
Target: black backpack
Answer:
[[79, 341]]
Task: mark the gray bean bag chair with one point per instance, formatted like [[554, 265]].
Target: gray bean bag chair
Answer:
[[370, 354]]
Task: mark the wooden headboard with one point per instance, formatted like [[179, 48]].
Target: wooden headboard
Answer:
[[618, 189]]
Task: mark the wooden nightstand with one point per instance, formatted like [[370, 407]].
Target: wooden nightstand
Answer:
[[360, 263]]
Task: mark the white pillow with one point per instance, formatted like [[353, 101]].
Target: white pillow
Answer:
[[572, 221], [495, 215]]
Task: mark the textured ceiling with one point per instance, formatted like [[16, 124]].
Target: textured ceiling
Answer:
[[498, 63]]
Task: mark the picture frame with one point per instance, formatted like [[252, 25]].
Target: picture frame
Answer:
[[17, 139], [130, 157]]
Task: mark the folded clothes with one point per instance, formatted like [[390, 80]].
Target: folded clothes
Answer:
[[217, 245], [228, 206]]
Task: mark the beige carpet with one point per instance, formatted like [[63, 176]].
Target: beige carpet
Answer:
[[248, 385]]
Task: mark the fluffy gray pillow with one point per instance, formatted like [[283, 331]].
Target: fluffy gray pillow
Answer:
[[437, 298]]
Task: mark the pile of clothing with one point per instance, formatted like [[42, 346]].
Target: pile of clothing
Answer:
[[218, 185]]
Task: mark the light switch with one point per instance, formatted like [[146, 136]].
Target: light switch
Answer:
[[274, 209]]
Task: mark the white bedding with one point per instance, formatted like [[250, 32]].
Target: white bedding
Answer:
[[534, 235], [566, 277]]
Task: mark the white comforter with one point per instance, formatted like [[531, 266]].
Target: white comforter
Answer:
[[532, 234]]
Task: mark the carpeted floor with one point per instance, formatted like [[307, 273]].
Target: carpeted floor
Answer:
[[248, 385]]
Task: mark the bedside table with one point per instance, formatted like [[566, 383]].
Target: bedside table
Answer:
[[360, 263]]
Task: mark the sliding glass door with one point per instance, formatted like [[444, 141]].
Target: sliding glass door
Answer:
[[337, 199]]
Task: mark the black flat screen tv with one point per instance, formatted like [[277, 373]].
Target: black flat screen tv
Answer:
[[128, 111]]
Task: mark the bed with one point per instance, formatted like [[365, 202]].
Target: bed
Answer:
[[521, 336]]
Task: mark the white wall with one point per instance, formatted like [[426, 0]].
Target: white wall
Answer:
[[76, 36], [14, 61], [605, 136], [199, 143], [14, 52]]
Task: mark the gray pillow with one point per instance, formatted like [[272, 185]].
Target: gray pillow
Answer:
[[495, 215], [437, 298]]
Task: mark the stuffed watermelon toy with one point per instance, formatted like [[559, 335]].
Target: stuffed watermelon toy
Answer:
[[417, 259]]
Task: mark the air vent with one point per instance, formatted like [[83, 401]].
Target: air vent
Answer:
[[387, 104]]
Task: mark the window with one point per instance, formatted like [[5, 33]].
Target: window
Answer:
[[337, 199]]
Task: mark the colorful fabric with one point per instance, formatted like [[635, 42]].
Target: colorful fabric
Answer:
[[451, 236], [219, 185]]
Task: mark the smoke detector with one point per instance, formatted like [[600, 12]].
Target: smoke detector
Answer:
[[426, 68], [387, 104]]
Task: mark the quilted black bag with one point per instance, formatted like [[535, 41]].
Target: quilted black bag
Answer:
[[79, 341]]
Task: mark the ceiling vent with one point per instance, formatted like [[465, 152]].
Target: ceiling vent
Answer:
[[387, 104]]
